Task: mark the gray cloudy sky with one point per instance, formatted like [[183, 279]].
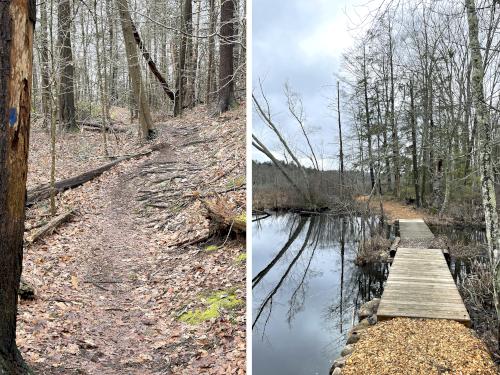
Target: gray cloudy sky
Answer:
[[301, 42]]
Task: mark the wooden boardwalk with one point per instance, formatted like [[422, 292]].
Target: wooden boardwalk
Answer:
[[420, 284], [414, 229]]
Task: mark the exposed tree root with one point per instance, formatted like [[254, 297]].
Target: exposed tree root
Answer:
[[224, 215]]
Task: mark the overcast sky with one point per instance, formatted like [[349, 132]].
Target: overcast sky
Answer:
[[301, 42]]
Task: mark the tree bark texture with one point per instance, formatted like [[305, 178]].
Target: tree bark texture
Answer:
[[67, 111], [226, 66], [485, 151], [17, 21], [211, 86]]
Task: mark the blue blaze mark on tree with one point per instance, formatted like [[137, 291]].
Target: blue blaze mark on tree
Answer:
[[12, 116]]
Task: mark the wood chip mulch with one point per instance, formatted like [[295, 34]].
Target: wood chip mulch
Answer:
[[419, 346]]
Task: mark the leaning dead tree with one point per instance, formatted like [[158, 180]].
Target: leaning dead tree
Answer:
[[145, 121], [264, 112], [17, 21]]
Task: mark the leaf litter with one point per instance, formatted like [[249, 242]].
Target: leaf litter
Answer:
[[114, 282]]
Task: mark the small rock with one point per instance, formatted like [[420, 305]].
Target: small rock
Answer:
[[372, 319], [353, 337], [369, 308], [347, 350], [367, 322], [337, 371], [339, 362]]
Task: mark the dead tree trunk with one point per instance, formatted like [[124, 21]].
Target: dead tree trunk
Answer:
[[485, 152], [145, 121], [67, 112], [226, 66], [17, 21], [152, 65]]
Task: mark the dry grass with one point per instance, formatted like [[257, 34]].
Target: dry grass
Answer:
[[419, 346]]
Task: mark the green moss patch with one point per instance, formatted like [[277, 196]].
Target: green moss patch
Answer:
[[221, 300], [241, 258], [211, 248]]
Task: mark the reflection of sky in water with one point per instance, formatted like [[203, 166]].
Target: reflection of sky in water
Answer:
[[299, 330]]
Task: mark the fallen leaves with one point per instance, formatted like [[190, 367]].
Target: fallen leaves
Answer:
[[110, 284]]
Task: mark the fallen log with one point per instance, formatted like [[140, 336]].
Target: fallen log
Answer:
[[43, 192], [225, 216], [49, 227], [98, 126]]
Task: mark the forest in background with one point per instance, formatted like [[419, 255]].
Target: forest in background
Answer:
[[154, 56]]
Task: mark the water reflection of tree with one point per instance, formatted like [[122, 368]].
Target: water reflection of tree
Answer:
[[268, 300], [323, 232]]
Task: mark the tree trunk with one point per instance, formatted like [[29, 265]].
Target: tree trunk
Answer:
[[341, 150], [367, 119], [181, 79], [67, 112], [414, 146], [395, 136], [44, 54], [211, 54], [145, 122], [17, 21], [226, 68], [485, 150], [196, 60], [188, 66], [100, 78]]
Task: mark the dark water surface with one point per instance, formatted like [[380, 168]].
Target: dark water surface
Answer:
[[306, 291]]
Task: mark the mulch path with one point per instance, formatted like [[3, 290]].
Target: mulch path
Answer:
[[419, 346]]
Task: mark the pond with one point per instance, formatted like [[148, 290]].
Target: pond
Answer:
[[306, 291]]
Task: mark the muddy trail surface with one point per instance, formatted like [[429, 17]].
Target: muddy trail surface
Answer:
[[139, 282]]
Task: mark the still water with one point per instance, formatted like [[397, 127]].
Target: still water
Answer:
[[306, 291]]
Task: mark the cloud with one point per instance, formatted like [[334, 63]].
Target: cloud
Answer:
[[302, 41]]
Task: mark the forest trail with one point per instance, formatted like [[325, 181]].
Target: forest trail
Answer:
[[112, 286]]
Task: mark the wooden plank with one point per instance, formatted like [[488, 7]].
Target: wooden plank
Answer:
[[412, 229], [420, 284]]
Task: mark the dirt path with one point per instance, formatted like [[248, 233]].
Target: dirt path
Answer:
[[111, 287]]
